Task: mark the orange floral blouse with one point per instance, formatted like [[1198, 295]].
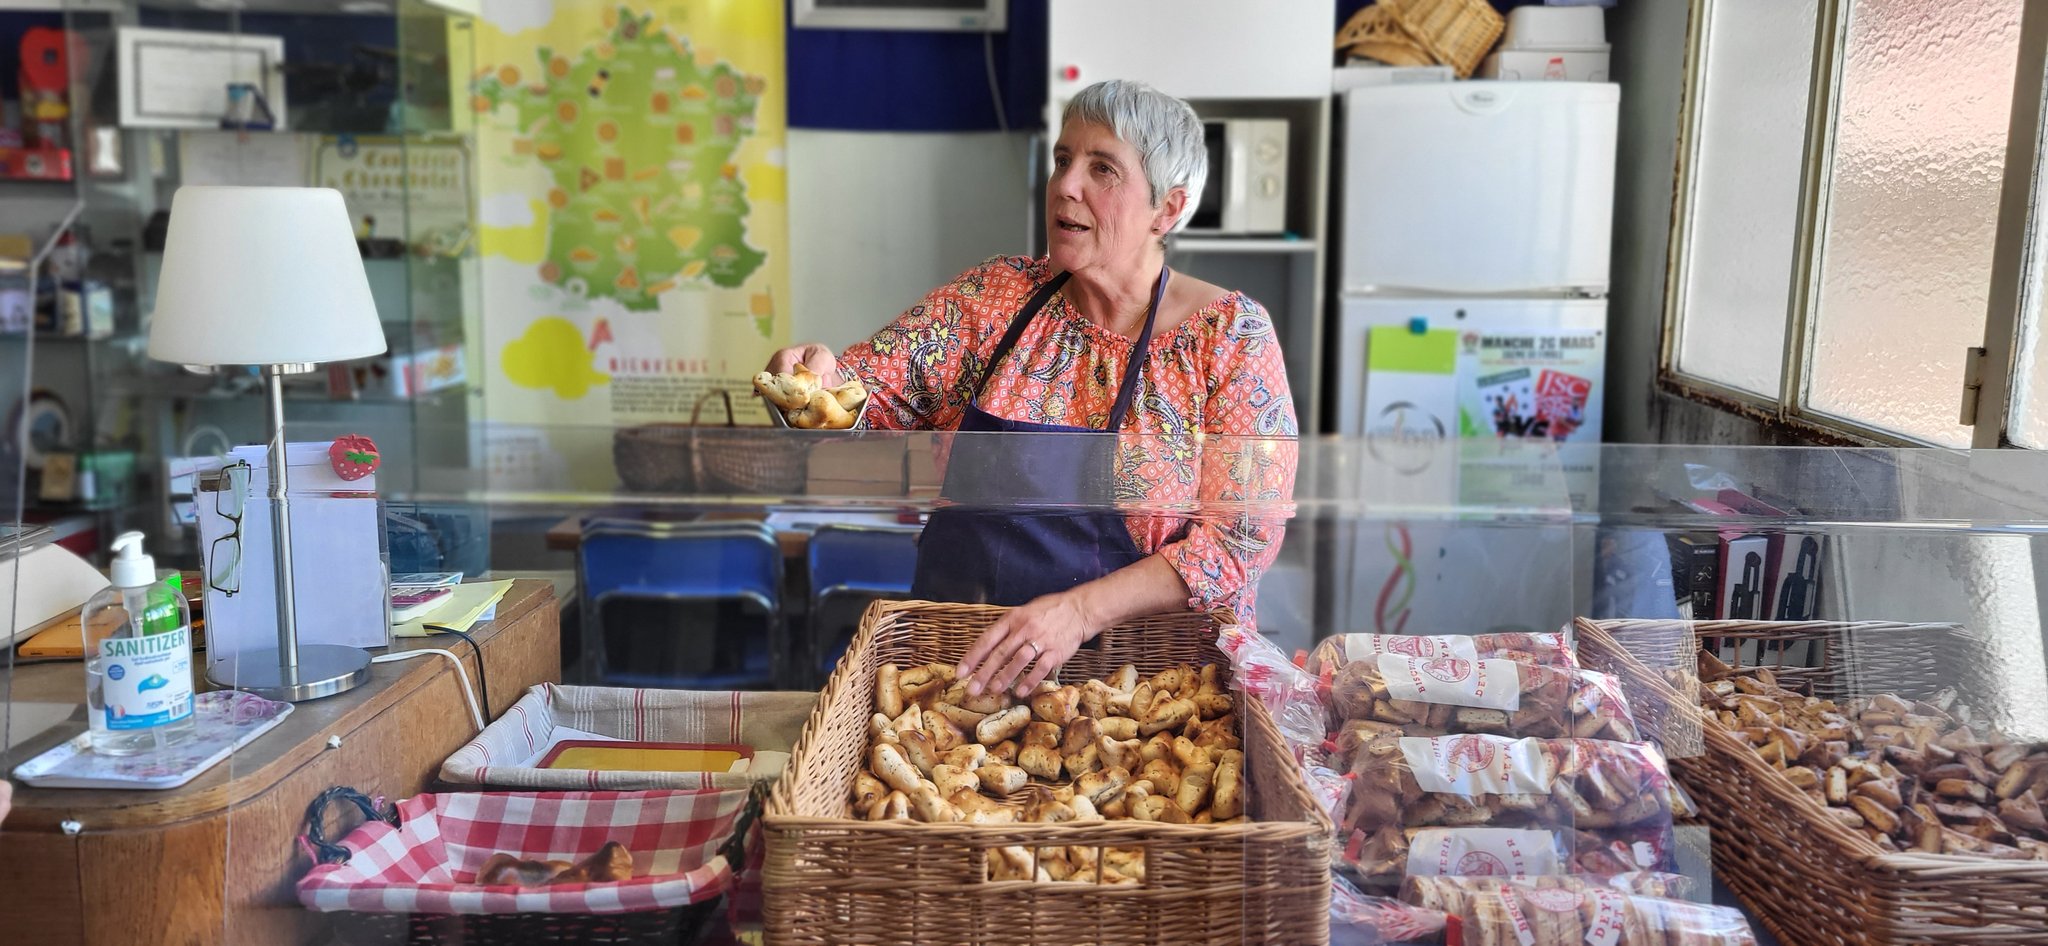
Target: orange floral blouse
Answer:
[[1213, 504]]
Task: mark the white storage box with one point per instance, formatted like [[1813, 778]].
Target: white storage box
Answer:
[[1555, 28], [505, 753], [1568, 65]]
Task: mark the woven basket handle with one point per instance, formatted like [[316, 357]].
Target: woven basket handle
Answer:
[[735, 847], [721, 394], [324, 851]]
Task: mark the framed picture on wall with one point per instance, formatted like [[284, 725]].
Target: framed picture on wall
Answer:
[[180, 78]]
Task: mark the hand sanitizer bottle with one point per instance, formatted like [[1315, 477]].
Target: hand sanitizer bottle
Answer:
[[138, 657]]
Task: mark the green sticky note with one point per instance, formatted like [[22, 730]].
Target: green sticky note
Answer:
[[1398, 348]]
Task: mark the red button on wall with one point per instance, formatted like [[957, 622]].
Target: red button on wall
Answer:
[[1070, 73]]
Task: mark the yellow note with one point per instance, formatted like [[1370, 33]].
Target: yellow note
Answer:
[[460, 611]]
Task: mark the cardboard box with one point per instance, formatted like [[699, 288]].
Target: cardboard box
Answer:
[[924, 472], [1796, 581], [1743, 577], [857, 466], [1695, 573], [1530, 65], [35, 164], [426, 370]]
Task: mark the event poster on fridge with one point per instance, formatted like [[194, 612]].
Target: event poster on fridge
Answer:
[[1536, 384]]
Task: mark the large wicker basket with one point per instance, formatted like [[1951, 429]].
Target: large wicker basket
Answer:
[[1455, 33], [689, 458], [833, 880], [1811, 880]]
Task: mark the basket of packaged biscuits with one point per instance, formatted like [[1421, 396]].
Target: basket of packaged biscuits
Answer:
[[1469, 773], [1137, 799]]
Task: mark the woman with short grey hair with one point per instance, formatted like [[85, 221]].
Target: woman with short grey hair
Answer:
[[1097, 337]]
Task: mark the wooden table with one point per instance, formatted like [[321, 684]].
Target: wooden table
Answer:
[[214, 861]]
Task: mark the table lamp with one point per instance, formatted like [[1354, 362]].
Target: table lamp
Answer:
[[268, 277]]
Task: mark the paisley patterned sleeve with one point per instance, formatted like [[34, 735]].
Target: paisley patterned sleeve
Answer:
[[1247, 469], [921, 368]]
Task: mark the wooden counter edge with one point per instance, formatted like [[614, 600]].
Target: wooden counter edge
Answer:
[[44, 810]]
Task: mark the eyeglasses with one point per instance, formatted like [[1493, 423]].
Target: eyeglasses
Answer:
[[224, 556]]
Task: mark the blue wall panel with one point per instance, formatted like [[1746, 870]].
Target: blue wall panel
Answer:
[[891, 80]]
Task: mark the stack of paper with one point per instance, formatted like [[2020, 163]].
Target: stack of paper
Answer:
[[460, 611]]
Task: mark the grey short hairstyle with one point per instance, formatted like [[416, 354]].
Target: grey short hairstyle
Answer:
[[1165, 131]]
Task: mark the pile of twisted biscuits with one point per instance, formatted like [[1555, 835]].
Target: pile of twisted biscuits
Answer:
[[1908, 774], [1162, 749]]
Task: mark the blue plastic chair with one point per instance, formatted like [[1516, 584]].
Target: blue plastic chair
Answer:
[[624, 561], [857, 563]]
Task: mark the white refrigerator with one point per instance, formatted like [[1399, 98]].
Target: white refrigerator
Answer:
[[1483, 208], [1475, 230]]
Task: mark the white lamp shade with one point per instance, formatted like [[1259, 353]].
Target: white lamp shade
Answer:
[[262, 276]]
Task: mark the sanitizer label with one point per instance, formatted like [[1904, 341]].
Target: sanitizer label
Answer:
[[147, 681]]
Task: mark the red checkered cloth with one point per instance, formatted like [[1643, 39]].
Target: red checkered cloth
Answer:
[[425, 864]]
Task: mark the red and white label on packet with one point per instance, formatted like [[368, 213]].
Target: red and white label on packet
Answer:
[[1362, 646], [1483, 852], [1476, 765], [1610, 909], [1453, 681], [1524, 930]]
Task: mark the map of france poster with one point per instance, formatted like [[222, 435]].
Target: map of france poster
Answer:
[[633, 208]]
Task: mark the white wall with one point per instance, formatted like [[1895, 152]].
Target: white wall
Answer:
[[876, 220]]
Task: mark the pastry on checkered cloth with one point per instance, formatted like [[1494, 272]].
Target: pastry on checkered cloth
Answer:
[[610, 864]]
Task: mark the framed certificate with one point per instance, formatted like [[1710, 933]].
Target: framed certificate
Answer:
[[180, 78]]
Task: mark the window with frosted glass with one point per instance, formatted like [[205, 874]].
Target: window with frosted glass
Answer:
[[1911, 212], [1743, 208], [2029, 425]]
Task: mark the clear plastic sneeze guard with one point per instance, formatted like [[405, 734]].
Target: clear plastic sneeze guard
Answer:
[[1606, 670]]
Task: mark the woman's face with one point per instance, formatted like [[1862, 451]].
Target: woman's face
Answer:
[[1099, 213]]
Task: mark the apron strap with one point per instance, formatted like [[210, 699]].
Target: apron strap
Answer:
[[1128, 390]]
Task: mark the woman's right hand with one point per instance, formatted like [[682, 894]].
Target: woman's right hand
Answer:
[[818, 358]]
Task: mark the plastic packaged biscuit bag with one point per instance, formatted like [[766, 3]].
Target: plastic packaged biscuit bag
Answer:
[[1569, 911], [1590, 794], [1445, 695], [1548, 649]]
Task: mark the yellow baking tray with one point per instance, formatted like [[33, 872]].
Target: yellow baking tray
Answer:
[[585, 754]]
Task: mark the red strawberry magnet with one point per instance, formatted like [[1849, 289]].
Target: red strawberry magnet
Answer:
[[353, 457]]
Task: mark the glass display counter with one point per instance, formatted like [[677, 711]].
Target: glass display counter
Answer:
[[1709, 598], [1938, 548]]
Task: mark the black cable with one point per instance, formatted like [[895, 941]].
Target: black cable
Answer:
[[483, 677]]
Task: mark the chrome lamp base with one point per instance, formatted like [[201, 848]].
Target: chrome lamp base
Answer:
[[323, 670]]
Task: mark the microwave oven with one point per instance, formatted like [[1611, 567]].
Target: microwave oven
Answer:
[[1247, 188]]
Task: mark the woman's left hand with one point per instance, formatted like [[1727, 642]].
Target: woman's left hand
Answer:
[[1041, 635]]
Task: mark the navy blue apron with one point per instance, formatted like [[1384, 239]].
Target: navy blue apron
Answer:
[[1008, 531]]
